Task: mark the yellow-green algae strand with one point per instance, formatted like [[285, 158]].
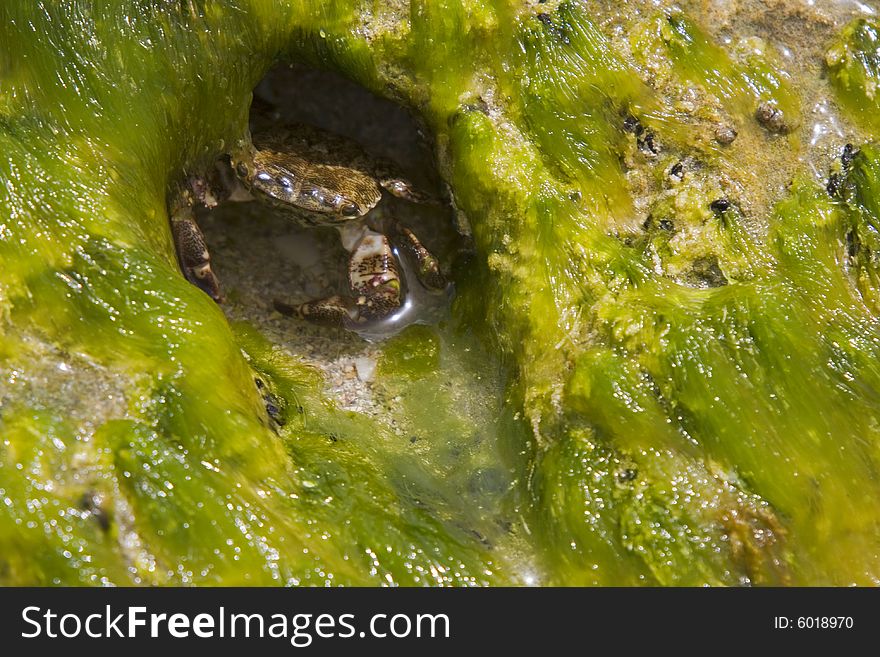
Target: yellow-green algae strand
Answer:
[[853, 63], [675, 433], [105, 106]]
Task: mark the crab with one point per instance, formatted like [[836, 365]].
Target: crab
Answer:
[[319, 179]]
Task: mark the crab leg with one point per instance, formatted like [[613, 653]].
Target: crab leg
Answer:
[[389, 178], [331, 311], [373, 279], [192, 251]]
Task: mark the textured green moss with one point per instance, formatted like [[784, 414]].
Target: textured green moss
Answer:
[[686, 401], [853, 64], [103, 107], [741, 81], [412, 354]]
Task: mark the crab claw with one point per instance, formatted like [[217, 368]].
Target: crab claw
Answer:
[[374, 277], [428, 270]]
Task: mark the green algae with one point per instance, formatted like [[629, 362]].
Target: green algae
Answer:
[[741, 80], [618, 400], [464, 442], [853, 66], [411, 354], [699, 386], [99, 118]]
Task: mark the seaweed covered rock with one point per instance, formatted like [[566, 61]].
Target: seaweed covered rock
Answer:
[[691, 356]]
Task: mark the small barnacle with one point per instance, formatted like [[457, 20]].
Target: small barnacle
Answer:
[[706, 273], [834, 183], [662, 224], [627, 474], [633, 125], [772, 118], [558, 31], [271, 402], [645, 139], [849, 152], [719, 205], [725, 134], [647, 143], [478, 105], [853, 244], [92, 503], [273, 410], [836, 178]]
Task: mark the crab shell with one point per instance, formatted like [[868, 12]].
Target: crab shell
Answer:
[[314, 177]]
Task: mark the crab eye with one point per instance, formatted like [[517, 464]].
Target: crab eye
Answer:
[[350, 210], [241, 169]]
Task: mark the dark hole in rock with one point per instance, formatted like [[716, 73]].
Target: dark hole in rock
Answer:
[[261, 255]]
